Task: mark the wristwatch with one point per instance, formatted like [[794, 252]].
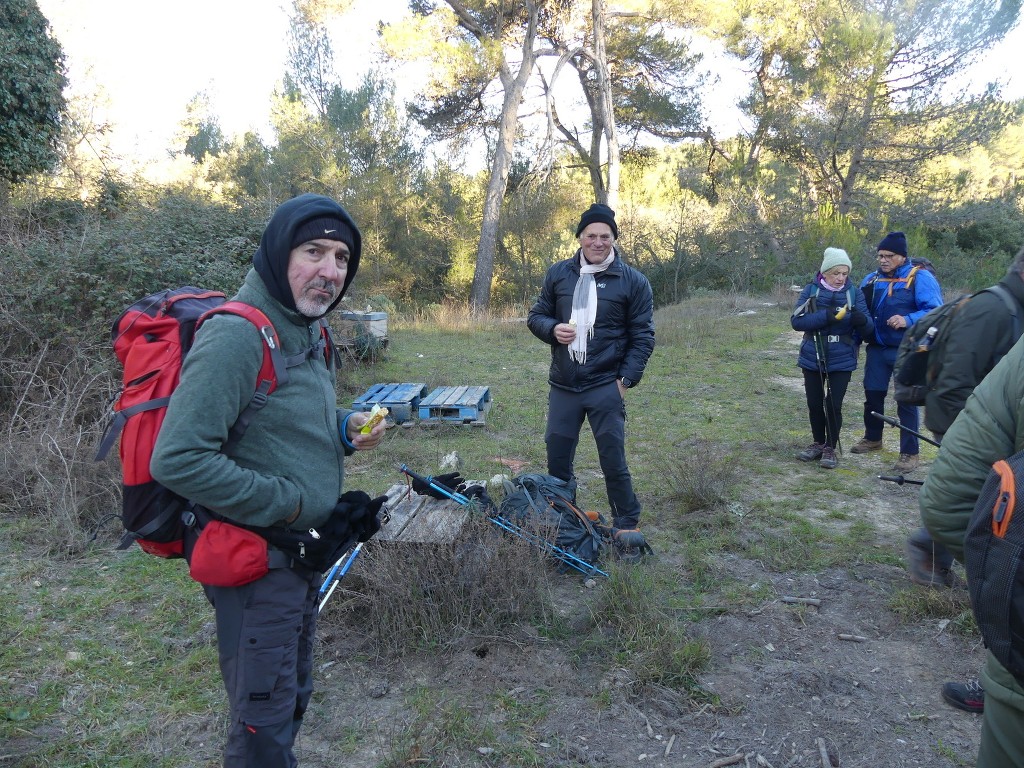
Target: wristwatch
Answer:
[[627, 383]]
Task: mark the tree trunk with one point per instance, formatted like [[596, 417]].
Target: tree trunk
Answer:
[[480, 291], [604, 89]]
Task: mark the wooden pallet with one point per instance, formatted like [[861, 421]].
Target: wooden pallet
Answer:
[[461, 405], [401, 400], [415, 518]]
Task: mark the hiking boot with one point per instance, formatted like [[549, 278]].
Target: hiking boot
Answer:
[[969, 696], [629, 545], [828, 458], [866, 446], [928, 563], [907, 463], [812, 452]]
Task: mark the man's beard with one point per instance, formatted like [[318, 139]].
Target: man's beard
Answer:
[[311, 307]]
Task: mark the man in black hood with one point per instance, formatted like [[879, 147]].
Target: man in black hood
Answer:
[[284, 475]]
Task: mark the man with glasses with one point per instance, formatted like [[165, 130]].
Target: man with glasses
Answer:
[[897, 295]]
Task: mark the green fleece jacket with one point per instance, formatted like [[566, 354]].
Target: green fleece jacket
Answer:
[[990, 427], [292, 454]]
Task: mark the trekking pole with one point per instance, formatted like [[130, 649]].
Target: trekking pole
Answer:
[[900, 480], [896, 423], [432, 483], [564, 556], [337, 573], [828, 405]]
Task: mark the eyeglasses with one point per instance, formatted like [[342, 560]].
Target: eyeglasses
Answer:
[[887, 256]]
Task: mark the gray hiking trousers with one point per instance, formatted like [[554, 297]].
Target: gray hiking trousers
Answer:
[[605, 409], [265, 643]]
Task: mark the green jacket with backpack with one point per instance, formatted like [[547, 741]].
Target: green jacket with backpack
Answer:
[[291, 454], [983, 331], [991, 427]]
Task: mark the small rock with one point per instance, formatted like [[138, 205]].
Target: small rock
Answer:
[[589, 583], [74, 656], [485, 750]]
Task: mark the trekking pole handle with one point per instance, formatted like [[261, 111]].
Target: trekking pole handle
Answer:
[[439, 487], [896, 423]]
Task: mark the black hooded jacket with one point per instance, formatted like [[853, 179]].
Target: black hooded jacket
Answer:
[[271, 258]]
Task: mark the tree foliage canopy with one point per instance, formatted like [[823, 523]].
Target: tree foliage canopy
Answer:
[[32, 81]]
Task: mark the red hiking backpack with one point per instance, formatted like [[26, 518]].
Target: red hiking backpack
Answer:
[[151, 339]]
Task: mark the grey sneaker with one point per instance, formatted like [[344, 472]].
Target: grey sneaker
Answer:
[[866, 446], [828, 458], [907, 463], [812, 452]]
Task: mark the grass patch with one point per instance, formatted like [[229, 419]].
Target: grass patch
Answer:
[[109, 658]]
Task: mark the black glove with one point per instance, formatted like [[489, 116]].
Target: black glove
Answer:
[[451, 481], [859, 319], [357, 513]]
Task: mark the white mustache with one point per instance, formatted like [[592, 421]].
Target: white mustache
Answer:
[[323, 285]]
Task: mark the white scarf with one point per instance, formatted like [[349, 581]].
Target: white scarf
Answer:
[[584, 305]]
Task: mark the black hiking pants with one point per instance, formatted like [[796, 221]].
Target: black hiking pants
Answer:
[[825, 410], [265, 643], [605, 409]]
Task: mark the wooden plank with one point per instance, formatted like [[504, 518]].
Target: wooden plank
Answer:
[[436, 523], [402, 399], [415, 518], [462, 403]]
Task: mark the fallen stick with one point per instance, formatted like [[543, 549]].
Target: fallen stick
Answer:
[[826, 761], [731, 760], [853, 638], [801, 600], [668, 747]]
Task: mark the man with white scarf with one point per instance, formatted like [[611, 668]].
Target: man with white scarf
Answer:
[[596, 312]]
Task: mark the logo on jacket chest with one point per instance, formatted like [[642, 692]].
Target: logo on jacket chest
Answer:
[[601, 284]]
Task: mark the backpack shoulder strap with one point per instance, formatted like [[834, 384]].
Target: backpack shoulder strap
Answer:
[[273, 369], [1011, 305], [910, 275]]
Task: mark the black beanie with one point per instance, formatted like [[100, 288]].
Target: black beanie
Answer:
[[895, 242], [324, 228], [598, 213]]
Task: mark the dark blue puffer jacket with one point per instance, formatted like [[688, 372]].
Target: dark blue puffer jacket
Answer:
[[841, 341]]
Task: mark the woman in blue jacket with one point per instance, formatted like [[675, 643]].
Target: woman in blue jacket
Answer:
[[834, 318]]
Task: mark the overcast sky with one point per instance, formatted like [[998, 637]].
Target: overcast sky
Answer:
[[150, 59]]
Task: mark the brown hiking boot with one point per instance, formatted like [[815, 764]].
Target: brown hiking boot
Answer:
[[828, 458], [866, 446], [908, 463]]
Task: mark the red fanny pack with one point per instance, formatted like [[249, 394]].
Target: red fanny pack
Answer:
[[228, 556]]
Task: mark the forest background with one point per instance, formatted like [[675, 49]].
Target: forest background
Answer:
[[859, 121]]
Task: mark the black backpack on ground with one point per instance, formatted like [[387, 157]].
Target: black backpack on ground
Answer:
[[546, 505], [994, 559], [920, 356]]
